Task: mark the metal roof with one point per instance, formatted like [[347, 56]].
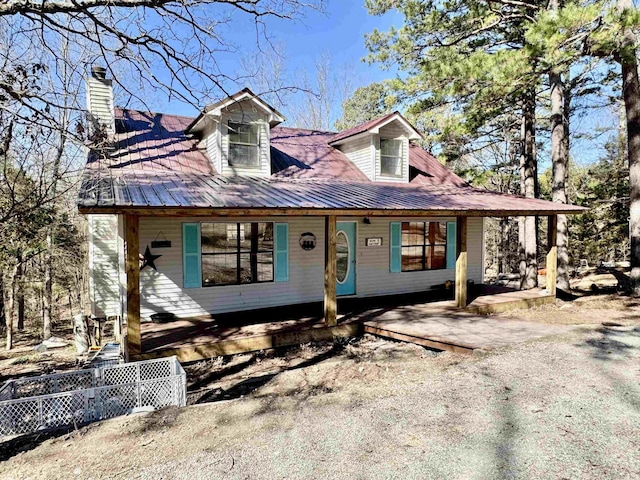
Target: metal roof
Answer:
[[153, 163], [206, 191], [372, 125]]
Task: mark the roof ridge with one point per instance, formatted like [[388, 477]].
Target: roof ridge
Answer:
[[123, 109], [329, 132]]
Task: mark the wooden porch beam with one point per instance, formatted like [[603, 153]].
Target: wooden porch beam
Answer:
[[132, 269], [330, 301], [461, 262], [552, 254]]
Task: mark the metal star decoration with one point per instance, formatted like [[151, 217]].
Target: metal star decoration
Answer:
[[149, 259]]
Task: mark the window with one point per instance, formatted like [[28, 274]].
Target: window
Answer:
[[244, 145], [391, 157], [424, 246], [236, 253]]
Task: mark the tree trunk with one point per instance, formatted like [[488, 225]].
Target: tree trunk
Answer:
[[47, 299], [529, 188], [20, 293], [559, 157], [631, 94], [10, 288], [2, 314]]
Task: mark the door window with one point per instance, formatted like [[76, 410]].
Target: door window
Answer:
[[343, 257]]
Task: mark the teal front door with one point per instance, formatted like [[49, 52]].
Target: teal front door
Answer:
[[346, 258]]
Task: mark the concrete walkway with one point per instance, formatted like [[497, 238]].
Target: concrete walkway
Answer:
[[453, 330]]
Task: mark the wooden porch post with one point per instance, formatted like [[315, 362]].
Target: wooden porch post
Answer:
[[552, 255], [132, 268], [330, 303], [461, 262]]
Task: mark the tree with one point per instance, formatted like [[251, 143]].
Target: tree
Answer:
[[603, 29], [46, 48], [22, 235], [166, 45], [602, 232], [473, 56], [559, 160], [321, 94], [367, 103]]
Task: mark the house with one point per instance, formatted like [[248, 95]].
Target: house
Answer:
[[232, 212]]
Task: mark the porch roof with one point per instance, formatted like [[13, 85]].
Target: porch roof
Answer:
[[199, 193]]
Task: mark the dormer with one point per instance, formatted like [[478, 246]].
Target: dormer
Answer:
[[236, 134], [380, 147]]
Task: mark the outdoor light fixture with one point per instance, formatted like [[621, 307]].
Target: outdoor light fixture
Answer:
[[366, 221]]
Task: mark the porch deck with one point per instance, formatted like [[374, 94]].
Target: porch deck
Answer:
[[422, 318], [443, 327]]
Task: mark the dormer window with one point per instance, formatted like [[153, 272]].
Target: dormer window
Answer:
[[390, 157], [244, 145]]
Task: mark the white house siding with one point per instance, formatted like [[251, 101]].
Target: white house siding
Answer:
[[104, 268], [245, 112], [161, 291], [393, 131], [212, 145], [361, 152], [372, 265]]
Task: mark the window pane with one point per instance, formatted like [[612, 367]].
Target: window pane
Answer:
[[220, 253], [411, 259], [243, 155], [218, 237], [391, 166], [265, 236], [245, 237], [439, 257], [265, 267], [246, 133], [406, 233], [245, 268], [390, 148], [417, 233], [438, 232], [342, 257], [219, 270]]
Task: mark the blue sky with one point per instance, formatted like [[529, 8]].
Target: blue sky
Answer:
[[339, 31]]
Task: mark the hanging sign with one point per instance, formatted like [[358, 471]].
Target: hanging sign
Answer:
[[164, 243]]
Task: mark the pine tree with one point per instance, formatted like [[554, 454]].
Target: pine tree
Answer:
[[365, 104], [602, 29], [474, 56]]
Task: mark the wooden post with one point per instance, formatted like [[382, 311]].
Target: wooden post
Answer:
[[461, 262], [132, 268], [552, 255], [330, 302]]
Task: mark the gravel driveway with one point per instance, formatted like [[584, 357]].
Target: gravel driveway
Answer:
[[561, 407]]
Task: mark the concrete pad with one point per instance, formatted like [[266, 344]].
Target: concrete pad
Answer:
[[456, 328]]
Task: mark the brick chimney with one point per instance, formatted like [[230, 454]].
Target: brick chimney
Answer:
[[100, 101]]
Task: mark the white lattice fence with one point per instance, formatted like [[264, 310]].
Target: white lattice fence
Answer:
[[88, 395]]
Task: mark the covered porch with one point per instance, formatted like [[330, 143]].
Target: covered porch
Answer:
[[379, 211], [204, 337], [422, 318]]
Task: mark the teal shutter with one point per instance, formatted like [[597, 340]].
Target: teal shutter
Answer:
[[395, 264], [281, 237], [451, 244], [191, 255]]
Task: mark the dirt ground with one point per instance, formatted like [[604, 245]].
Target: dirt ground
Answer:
[[561, 407]]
